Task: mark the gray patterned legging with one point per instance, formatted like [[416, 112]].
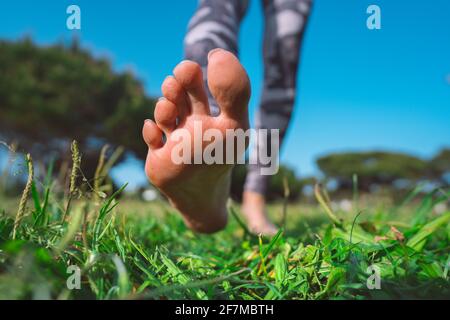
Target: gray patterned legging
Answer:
[[216, 25]]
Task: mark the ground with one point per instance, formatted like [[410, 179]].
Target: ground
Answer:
[[129, 249]]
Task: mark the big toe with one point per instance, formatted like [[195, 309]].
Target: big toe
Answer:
[[189, 75], [229, 83]]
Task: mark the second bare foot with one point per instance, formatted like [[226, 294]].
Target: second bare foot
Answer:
[[254, 209]]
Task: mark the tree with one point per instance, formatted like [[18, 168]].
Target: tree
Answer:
[[51, 95], [439, 166], [371, 168]]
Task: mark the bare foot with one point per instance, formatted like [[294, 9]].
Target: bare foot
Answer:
[[254, 209], [198, 191]]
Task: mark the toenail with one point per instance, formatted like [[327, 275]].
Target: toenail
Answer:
[[162, 99], [213, 51], [184, 61], [147, 120]]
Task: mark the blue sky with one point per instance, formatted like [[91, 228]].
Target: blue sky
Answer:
[[358, 89]]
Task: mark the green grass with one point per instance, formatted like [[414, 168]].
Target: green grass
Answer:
[[127, 249]]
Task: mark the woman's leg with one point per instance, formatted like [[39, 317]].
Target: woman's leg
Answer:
[[214, 25], [285, 22]]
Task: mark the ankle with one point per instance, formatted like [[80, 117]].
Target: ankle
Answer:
[[254, 197], [253, 203]]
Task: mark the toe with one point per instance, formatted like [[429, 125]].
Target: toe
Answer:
[[174, 92], [166, 115], [229, 83], [152, 134], [189, 75]]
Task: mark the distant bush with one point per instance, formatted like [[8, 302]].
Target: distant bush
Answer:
[[439, 166], [371, 168]]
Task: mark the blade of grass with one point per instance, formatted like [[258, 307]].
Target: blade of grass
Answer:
[[326, 207], [286, 194], [123, 281], [272, 242], [25, 194], [179, 276], [239, 221], [73, 226], [417, 242]]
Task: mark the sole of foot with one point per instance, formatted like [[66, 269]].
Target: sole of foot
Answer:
[[198, 191]]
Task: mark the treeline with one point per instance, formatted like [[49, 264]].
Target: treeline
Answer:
[[388, 171]]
